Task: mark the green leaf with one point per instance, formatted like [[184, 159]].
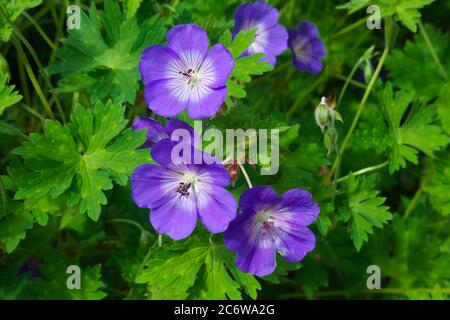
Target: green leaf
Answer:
[[199, 271], [8, 97], [58, 165], [406, 11], [107, 63], [416, 133], [14, 228], [13, 8], [131, 7], [245, 67], [53, 284], [364, 209], [413, 68], [436, 183]]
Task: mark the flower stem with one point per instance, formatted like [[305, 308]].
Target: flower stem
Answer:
[[13, 129], [33, 79], [305, 93], [5, 200], [40, 31], [365, 170], [134, 223], [360, 109], [424, 34], [247, 178], [349, 28], [413, 203]]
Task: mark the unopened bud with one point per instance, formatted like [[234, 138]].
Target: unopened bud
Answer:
[[322, 114]]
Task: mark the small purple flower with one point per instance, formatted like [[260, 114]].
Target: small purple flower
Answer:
[[269, 224], [156, 132], [270, 38], [307, 48], [185, 74], [31, 266], [178, 193]]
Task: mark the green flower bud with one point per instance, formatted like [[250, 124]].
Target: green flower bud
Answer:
[[322, 114], [329, 140]]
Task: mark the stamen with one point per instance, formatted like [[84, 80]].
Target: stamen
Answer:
[[183, 189]]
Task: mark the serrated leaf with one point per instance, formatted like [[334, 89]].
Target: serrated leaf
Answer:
[[14, 228], [8, 96], [107, 62], [407, 11], [199, 271], [364, 209], [13, 8], [416, 133], [57, 165], [436, 183], [245, 67]]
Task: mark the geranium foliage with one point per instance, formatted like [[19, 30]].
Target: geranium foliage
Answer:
[[357, 128]]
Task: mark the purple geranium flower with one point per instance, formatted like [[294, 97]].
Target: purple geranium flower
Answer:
[[307, 48], [269, 224], [185, 74], [270, 38], [156, 132], [178, 193]]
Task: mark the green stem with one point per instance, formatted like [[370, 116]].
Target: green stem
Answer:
[[305, 93], [349, 28], [40, 31], [360, 109], [351, 81], [3, 192], [134, 223], [39, 65], [413, 203], [247, 178], [13, 129], [424, 34], [33, 112], [33, 79], [363, 171]]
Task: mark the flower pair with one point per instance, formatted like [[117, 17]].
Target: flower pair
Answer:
[[180, 193], [186, 74]]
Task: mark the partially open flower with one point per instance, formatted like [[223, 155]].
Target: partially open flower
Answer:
[[270, 37], [157, 132]]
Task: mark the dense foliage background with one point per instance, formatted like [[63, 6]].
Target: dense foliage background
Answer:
[[67, 153]]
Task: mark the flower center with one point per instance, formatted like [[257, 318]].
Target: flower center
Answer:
[[265, 221], [190, 76], [183, 189]]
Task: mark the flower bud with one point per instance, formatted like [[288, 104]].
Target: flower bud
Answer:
[[329, 140], [322, 114]]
